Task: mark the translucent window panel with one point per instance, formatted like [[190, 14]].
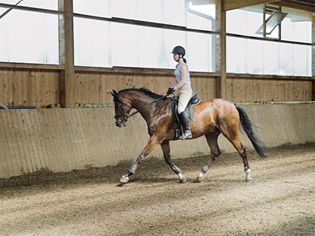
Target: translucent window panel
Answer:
[[200, 52], [92, 7], [161, 11], [172, 38], [296, 31], [254, 56], [271, 58], [201, 16], [91, 42], [29, 37], [46, 4], [302, 60], [286, 59], [174, 12], [243, 22], [136, 46], [235, 56], [236, 21], [150, 47]]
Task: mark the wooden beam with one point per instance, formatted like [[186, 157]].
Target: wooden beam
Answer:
[[295, 5], [235, 4], [221, 50], [66, 54]]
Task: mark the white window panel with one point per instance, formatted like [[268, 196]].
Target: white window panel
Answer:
[[236, 22], [254, 56], [271, 58], [235, 56], [138, 10], [297, 26], [91, 42], [125, 45], [174, 12], [159, 11], [286, 59], [172, 38], [92, 7], [29, 37], [138, 46], [201, 16], [302, 60], [150, 47], [46, 4], [243, 22], [200, 53]]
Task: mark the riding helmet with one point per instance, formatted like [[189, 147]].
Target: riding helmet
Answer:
[[179, 50]]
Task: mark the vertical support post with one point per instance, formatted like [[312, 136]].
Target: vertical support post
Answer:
[[221, 85], [66, 54]]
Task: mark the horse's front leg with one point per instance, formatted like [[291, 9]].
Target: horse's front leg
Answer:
[[153, 141], [165, 145]]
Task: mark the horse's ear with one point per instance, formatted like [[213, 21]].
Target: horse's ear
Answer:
[[114, 93]]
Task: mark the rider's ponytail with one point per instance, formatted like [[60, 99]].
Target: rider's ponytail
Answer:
[[184, 59]]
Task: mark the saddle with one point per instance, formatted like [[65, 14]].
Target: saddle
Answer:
[[174, 104]]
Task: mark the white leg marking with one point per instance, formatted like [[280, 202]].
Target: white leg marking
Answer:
[[248, 177]]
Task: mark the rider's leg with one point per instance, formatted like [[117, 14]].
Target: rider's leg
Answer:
[[184, 97]]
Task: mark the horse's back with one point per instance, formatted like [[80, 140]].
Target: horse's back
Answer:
[[215, 112], [217, 106]]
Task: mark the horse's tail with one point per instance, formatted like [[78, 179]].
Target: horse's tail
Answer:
[[247, 127]]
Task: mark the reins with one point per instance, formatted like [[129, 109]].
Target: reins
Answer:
[[159, 99]]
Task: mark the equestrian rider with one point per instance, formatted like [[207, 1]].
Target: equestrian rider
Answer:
[[183, 86]]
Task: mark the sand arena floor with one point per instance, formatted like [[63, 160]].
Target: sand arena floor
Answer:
[[279, 201]]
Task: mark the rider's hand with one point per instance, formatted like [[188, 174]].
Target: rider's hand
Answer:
[[170, 91]]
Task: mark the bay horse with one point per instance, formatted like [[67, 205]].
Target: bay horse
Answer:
[[210, 118]]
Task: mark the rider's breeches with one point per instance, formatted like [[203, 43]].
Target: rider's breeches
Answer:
[[184, 97]]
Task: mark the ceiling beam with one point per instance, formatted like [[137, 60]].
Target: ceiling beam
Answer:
[[234, 4], [296, 5]]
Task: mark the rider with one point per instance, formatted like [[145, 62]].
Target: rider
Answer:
[[183, 86]]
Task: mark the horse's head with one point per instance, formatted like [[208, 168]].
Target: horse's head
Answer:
[[122, 109]]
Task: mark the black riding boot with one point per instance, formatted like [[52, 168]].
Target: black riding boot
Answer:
[[184, 118]]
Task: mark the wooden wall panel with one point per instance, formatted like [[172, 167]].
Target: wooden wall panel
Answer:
[[266, 90], [40, 87], [24, 87], [96, 88]]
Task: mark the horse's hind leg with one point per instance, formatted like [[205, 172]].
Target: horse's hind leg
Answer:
[[212, 140], [165, 145], [232, 134]]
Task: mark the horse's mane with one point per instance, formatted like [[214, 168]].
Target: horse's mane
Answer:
[[143, 90]]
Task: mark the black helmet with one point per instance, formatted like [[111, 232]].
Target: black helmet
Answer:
[[179, 50]]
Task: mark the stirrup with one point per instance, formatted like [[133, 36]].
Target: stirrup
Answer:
[[186, 134]]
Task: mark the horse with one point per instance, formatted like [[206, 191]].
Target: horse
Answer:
[[210, 119]]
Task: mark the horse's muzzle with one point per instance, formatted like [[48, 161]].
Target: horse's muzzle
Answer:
[[121, 121]]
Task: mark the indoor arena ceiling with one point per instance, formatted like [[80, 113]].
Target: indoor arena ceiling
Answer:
[[308, 5]]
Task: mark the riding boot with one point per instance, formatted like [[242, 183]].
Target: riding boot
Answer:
[[184, 118]]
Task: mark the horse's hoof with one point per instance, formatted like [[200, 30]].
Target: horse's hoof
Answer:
[[124, 179], [200, 178], [248, 179], [183, 180]]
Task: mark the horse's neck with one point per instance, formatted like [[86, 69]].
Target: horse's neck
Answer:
[[144, 105]]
